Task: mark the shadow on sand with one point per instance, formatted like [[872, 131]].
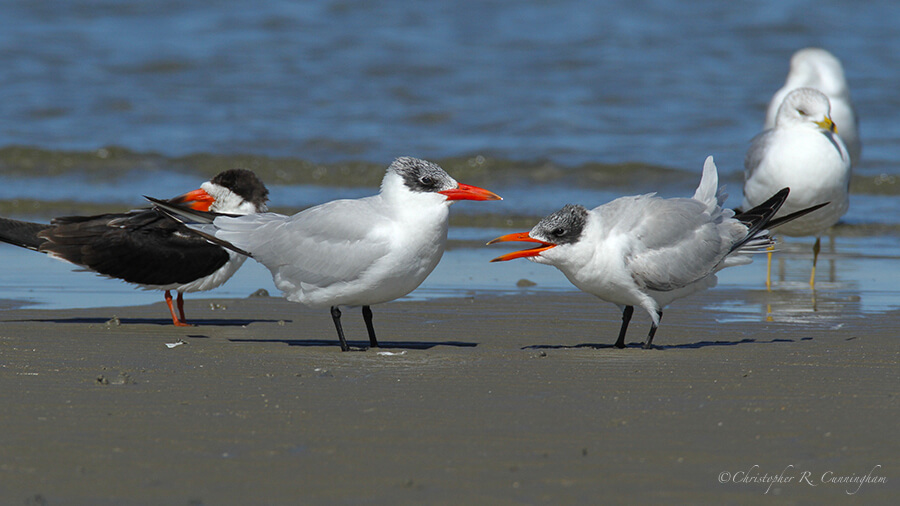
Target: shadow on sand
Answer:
[[151, 321], [688, 346], [362, 345]]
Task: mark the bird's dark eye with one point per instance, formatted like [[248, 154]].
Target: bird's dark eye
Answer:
[[426, 181], [558, 232], [801, 112]]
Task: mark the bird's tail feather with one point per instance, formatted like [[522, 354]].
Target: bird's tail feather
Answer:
[[760, 220], [200, 222], [709, 192], [759, 244], [183, 214], [793, 216], [22, 233]]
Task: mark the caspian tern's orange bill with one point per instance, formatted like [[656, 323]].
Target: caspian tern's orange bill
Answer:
[[197, 200], [468, 192], [522, 237]]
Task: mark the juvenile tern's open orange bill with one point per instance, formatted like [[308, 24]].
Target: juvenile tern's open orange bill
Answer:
[[521, 237]]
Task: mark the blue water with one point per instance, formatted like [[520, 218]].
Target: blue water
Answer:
[[562, 83], [662, 82]]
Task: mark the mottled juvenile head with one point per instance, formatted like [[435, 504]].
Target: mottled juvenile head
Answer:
[[806, 106], [421, 176], [562, 227], [565, 226]]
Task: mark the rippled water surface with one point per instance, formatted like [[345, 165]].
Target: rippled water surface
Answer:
[[543, 102]]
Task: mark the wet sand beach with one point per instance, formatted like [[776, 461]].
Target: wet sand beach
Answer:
[[485, 391], [486, 399]]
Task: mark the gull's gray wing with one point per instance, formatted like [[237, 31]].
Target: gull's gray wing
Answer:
[[756, 153]]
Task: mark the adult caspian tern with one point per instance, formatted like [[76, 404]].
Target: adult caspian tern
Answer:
[[801, 152], [649, 251], [145, 247], [349, 252]]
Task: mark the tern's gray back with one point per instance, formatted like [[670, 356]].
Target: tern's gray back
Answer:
[[676, 241]]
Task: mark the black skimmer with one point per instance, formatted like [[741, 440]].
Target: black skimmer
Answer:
[[145, 247]]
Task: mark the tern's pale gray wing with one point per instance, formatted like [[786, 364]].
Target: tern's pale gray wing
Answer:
[[674, 242], [331, 243]]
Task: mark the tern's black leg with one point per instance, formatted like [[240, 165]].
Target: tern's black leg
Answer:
[[336, 316], [653, 328], [367, 316], [626, 317]]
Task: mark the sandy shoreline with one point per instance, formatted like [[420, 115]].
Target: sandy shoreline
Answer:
[[479, 400]]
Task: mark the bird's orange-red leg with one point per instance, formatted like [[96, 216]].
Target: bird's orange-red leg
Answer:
[[178, 322]]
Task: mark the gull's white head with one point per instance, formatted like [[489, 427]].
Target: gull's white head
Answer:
[[814, 67], [806, 106]]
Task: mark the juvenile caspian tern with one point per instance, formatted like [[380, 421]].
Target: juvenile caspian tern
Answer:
[[801, 152], [146, 247], [813, 67], [349, 252], [648, 251]]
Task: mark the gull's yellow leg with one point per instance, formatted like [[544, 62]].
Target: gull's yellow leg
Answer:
[[769, 269], [816, 248]]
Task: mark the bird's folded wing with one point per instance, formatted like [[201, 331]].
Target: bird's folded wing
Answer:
[[139, 247], [330, 243], [756, 153], [674, 243]]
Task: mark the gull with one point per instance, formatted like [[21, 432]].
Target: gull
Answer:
[[648, 251], [803, 153], [145, 247], [357, 252], [814, 67]]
